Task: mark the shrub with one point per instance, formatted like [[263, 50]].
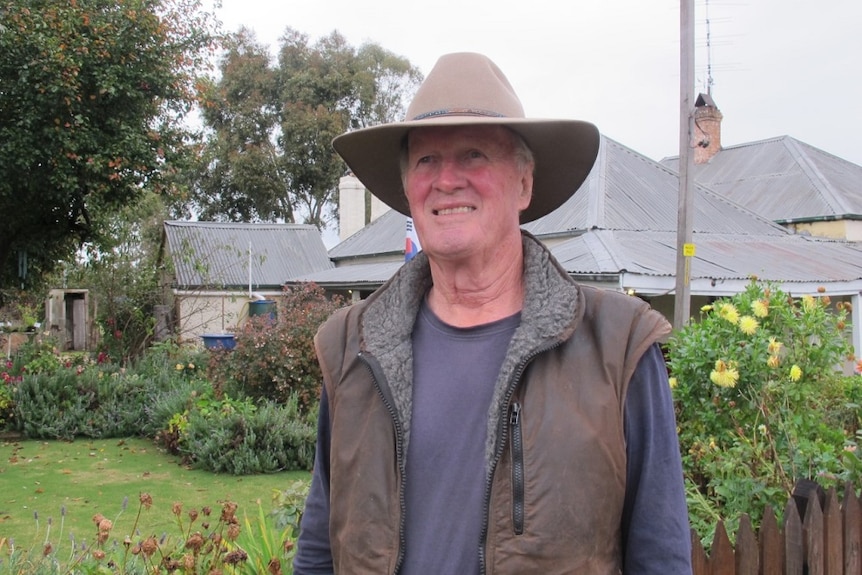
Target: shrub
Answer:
[[241, 438], [275, 360], [8, 383], [86, 402], [760, 401]]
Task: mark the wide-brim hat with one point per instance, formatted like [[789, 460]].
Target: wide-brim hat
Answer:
[[469, 89]]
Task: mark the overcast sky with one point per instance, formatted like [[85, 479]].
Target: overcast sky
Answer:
[[779, 67]]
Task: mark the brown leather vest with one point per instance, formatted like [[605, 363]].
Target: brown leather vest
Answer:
[[569, 368]]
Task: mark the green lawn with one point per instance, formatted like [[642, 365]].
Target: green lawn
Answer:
[[86, 477]]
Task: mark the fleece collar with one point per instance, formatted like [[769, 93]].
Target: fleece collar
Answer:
[[550, 314]]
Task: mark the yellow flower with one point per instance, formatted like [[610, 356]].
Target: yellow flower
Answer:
[[673, 382], [728, 312], [773, 361], [774, 347], [191, 366], [760, 308], [748, 325], [808, 302], [179, 367], [706, 308], [724, 374], [795, 372]]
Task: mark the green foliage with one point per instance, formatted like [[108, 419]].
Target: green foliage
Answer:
[[88, 402], [91, 114], [67, 396], [761, 401], [240, 438], [276, 360], [122, 273], [270, 548], [269, 156]]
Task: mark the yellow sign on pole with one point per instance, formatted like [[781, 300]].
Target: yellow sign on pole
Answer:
[[688, 250]]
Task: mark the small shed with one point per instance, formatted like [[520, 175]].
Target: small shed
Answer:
[[67, 318], [219, 267]]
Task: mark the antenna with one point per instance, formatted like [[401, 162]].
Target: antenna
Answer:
[[709, 79]]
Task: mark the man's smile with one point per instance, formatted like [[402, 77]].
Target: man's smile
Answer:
[[450, 211]]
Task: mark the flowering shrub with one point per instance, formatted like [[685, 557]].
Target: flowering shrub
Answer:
[[761, 401], [7, 403], [276, 359]]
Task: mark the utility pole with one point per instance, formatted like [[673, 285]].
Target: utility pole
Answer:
[[684, 245]]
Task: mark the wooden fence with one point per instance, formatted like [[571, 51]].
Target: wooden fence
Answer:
[[818, 536]]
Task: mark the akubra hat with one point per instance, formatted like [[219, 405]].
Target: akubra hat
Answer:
[[469, 89]]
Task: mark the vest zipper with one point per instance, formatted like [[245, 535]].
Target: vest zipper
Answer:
[[377, 377], [517, 470], [502, 438]]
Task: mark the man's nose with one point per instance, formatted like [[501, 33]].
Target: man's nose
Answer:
[[450, 176]]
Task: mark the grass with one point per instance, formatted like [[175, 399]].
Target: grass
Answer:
[[42, 480]]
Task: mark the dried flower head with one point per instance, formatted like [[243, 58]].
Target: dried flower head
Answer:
[[177, 508], [195, 542], [149, 546], [232, 531], [274, 567], [189, 562], [228, 512], [146, 500], [235, 557]]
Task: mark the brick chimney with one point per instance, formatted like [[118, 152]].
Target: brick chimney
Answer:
[[707, 129]]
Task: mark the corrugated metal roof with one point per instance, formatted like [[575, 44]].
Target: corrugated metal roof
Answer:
[[357, 276], [216, 254], [385, 235], [623, 219], [790, 258], [783, 179], [628, 191]]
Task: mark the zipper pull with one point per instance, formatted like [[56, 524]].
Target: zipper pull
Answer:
[[516, 414]]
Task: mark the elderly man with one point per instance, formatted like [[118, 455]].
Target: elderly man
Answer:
[[482, 412]]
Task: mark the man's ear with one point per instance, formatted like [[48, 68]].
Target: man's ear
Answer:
[[526, 193]]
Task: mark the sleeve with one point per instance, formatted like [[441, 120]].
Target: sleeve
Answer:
[[655, 526], [313, 553]]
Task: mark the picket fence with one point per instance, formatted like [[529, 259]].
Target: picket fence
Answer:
[[818, 536]]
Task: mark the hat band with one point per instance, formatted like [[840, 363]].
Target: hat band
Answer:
[[459, 112]]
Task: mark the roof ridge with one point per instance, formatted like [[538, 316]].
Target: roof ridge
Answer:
[[821, 183]]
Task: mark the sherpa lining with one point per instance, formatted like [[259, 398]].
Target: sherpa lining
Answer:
[[387, 323]]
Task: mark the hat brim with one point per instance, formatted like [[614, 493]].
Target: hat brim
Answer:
[[564, 152]]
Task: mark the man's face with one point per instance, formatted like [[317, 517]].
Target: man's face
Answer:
[[466, 189]]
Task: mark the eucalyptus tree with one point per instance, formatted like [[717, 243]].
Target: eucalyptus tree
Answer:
[[271, 120]]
